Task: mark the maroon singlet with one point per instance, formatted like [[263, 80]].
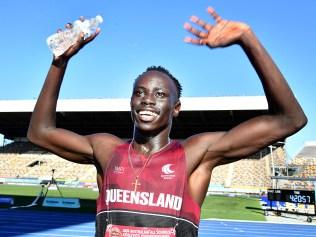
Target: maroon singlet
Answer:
[[161, 199]]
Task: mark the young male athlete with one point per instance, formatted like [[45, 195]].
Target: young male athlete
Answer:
[[152, 181]]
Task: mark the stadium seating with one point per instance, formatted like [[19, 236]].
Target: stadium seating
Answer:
[[248, 175], [23, 160]]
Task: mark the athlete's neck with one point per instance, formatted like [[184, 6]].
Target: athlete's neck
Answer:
[[149, 145]]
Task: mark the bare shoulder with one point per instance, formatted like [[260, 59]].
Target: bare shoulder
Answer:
[[197, 146], [103, 145], [104, 139]]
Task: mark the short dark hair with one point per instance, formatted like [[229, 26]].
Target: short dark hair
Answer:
[[165, 71]]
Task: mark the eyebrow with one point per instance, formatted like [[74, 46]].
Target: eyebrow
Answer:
[[155, 88]]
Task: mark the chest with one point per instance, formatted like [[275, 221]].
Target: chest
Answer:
[[163, 172]]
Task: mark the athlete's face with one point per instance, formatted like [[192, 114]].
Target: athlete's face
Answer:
[[154, 102]]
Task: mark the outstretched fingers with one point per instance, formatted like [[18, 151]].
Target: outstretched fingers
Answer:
[[194, 31], [206, 28], [199, 35], [203, 36], [214, 14], [201, 23], [194, 41]]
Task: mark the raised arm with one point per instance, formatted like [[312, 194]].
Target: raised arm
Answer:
[[285, 116], [42, 128]]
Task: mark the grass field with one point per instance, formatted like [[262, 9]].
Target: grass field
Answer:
[[221, 207], [82, 193], [236, 208], [24, 195]]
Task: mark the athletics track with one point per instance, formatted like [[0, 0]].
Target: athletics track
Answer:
[[29, 223]]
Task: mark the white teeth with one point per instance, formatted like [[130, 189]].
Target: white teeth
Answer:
[[148, 113]]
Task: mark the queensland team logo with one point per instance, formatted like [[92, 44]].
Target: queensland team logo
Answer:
[[168, 171]]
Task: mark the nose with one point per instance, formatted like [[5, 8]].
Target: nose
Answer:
[[148, 99]]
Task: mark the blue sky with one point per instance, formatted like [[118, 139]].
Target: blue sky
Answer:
[[137, 34]]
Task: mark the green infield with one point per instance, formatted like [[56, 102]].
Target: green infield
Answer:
[[25, 195], [221, 207], [236, 208], [23, 190]]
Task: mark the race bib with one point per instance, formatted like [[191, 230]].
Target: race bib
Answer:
[[132, 231]]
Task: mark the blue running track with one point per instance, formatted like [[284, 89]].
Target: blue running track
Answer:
[[27, 223]]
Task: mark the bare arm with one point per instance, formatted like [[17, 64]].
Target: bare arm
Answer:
[[42, 128], [285, 116]]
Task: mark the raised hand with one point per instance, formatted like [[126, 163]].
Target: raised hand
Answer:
[[81, 42], [220, 34], [75, 48]]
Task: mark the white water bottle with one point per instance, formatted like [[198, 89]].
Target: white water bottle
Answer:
[[59, 42]]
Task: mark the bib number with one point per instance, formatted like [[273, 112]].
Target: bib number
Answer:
[[132, 231]]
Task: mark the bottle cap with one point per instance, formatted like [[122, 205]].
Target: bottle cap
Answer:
[[99, 18]]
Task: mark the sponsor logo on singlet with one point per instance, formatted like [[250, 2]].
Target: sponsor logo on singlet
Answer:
[[144, 198], [118, 169], [167, 172]]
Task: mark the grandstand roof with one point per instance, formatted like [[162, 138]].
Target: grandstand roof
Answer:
[[308, 151], [86, 116]]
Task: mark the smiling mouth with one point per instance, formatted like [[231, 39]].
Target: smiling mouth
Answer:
[[147, 116]]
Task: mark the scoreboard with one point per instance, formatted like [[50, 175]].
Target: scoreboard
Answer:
[[293, 196]]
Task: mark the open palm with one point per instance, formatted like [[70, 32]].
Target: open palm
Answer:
[[220, 34]]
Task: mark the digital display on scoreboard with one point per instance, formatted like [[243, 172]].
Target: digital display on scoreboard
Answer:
[[293, 196]]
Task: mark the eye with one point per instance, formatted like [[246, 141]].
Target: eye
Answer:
[[160, 94], [138, 92]]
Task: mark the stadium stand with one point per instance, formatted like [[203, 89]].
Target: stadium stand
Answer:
[[251, 175], [302, 169], [305, 160], [23, 160]]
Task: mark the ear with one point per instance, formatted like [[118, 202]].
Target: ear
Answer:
[[176, 109]]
